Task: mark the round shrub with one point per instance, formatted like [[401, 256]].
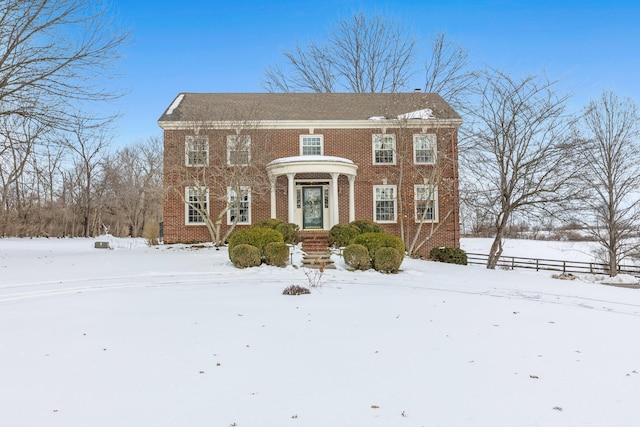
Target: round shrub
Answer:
[[375, 241], [341, 235], [243, 256], [367, 226], [288, 230], [449, 255], [356, 256], [257, 237], [387, 260], [276, 253]]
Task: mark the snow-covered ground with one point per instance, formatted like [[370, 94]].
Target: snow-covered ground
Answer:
[[176, 336]]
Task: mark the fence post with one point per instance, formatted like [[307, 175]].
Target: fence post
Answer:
[[513, 263], [537, 265], [564, 266]]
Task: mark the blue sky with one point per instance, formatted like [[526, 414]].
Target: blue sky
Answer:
[[224, 46]]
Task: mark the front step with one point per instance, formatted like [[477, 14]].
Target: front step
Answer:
[[319, 260], [315, 245]]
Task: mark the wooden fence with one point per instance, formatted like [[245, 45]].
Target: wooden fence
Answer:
[[510, 262]]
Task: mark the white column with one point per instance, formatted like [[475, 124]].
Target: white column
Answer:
[[334, 198], [272, 181], [352, 203], [291, 196]]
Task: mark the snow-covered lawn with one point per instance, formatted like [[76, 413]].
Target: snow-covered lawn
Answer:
[[176, 336]]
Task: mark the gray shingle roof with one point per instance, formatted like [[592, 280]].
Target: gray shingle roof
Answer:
[[303, 106]]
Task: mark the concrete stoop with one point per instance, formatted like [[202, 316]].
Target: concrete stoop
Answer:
[[318, 260], [315, 245]]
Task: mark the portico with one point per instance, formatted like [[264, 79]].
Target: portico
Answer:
[[313, 204]]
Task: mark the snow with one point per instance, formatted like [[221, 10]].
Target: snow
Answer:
[[176, 336], [175, 103], [423, 114], [295, 159]]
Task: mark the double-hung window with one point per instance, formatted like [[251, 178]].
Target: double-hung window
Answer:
[[385, 203], [239, 206], [424, 149], [238, 150], [384, 149], [196, 205], [426, 203], [311, 145], [196, 151]]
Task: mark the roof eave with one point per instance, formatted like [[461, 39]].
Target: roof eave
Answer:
[[316, 124]]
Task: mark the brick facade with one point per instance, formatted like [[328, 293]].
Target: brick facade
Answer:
[[280, 138]]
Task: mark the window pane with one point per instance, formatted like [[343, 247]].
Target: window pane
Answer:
[[385, 203], [384, 211], [424, 148], [196, 202], [197, 148], [239, 208], [384, 149], [311, 146], [238, 149]]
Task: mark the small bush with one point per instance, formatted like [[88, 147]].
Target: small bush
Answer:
[[151, 232], [387, 260], [276, 254], [296, 290], [367, 226], [257, 237], [244, 255], [449, 255], [341, 235], [375, 241], [356, 256], [288, 230]]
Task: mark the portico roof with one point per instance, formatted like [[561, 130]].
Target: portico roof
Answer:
[[311, 164]]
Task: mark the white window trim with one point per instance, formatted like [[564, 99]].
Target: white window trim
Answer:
[[243, 188], [434, 145], [395, 204], [231, 140], [374, 139], [302, 137], [433, 191], [187, 206], [191, 139]]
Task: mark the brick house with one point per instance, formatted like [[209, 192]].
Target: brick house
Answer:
[[325, 158]]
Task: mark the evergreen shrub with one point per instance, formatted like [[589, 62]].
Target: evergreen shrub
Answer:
[[341, 235], [375, 241], [244, 255], [276, 254], [387, 260], [255, 236], [288, 230], [356, 256], [367, 226], [449, 255]]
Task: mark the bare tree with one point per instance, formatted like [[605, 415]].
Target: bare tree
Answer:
[[88, 140], [18, 139], [428, 161], [516, 154], [51, 55], [361, 54], [134, 178], [609, 131], [224, 166], [447, 71]]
